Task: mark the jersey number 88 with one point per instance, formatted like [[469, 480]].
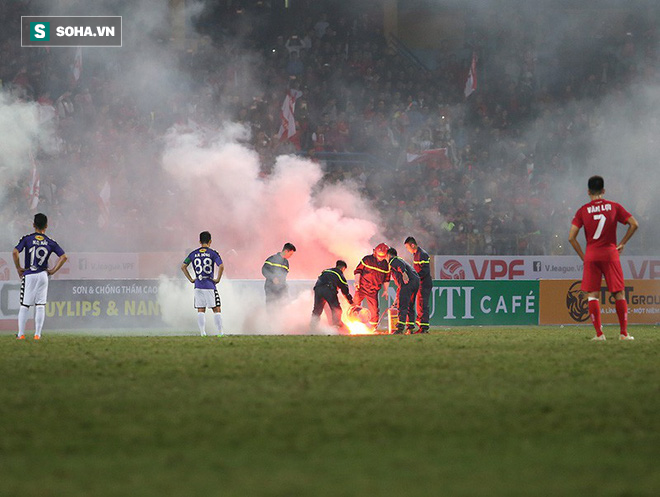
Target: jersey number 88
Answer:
[[203, 267]]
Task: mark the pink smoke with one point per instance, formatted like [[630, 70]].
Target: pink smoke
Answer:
[[251, 217]]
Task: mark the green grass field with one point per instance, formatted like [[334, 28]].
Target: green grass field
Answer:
[[483, 411]]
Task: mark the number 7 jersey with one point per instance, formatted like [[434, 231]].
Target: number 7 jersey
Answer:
[[600, 219], [38, 248], [204, 260]]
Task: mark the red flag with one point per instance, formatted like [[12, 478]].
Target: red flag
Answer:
[[33, 189], [435, 158], [288, 125], [471, 82], [77, 64]]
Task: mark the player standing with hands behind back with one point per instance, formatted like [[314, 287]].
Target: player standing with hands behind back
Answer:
[[204, 260], [34, 274], [600, 218]]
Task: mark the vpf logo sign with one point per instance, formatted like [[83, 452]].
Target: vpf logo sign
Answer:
[[452, 270]]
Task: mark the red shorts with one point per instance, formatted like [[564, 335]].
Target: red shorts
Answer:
[[594, 271]]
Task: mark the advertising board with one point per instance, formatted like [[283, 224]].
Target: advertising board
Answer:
[[532, 267], [473, 302], [83, 265], [562, 302], [91, 304], [134, 304]]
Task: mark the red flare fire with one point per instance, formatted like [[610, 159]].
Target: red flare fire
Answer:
[[356, 319]]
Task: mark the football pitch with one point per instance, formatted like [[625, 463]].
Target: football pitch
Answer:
[[462, 411]]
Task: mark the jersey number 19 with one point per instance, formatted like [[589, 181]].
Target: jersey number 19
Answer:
[[38, 254]]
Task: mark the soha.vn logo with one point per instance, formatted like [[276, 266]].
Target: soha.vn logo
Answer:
[[452, 270], [576, 303]]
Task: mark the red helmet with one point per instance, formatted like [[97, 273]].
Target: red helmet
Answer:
[[381, 250]]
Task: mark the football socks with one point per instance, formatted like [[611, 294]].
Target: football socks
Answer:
[[23, 313], [594, 312], [622, 314], [39, 316]]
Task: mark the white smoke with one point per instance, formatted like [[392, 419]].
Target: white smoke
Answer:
[[243, 309], [24, 131], [19, 129]]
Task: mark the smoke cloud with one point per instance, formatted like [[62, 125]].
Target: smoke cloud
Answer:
[[19, 128], [251, 217], [168, 183]]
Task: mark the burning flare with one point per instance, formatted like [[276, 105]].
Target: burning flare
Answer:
[[356, 319]]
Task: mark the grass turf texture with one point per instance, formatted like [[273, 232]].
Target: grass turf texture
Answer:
[[483, 411]]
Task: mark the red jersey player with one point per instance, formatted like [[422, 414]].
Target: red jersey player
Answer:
[[600, 218]]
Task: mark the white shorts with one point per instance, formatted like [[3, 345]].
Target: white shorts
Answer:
[[34, 289], [206, 298]]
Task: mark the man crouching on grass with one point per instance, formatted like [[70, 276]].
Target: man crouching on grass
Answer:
[[600, 218]]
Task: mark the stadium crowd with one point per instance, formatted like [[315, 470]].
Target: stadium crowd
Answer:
[[466, 175]]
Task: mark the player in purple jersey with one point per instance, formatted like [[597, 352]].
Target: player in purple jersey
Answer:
[[34, 273], [204, 260]]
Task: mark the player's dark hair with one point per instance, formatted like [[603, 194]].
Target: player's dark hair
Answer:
[[392, 251], [596, 184], [289, 246], [205, 237], [341, 264], [40, 221], [410, 241]]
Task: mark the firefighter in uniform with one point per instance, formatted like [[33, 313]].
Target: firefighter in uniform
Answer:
[[421, 264], [407, 282], [325, 291], [275, 270], [372, 274]]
